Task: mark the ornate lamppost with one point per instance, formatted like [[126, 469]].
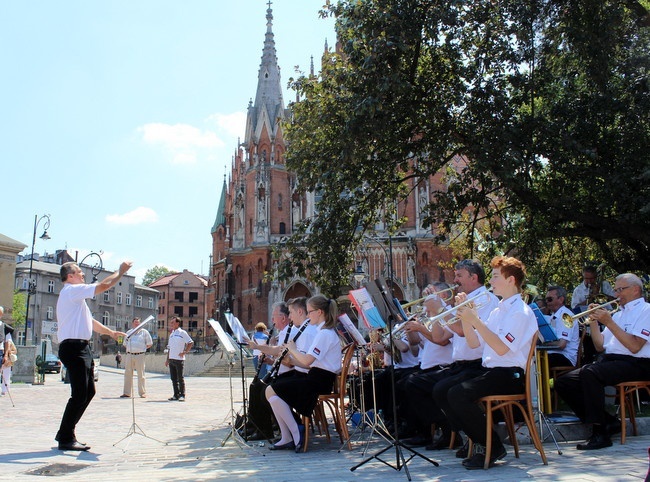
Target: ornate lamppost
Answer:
[[31, 290]]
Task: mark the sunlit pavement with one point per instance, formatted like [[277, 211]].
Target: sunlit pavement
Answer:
[[182, 441]]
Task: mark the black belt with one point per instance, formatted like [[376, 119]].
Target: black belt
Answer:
[[75, 340], [138, 353]]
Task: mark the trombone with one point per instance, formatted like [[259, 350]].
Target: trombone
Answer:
[[473, 300], [568, 319], [435, 293]]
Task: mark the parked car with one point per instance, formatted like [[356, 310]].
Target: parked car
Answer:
[[66, 379], [52, 364]]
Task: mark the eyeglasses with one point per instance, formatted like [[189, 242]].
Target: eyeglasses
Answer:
[[311, 311], [618, 290], [549, 299]]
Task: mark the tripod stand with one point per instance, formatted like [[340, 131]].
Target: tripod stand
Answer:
[[135, 429], [401, 460]]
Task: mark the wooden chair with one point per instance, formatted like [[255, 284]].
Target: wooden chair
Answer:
[[561, 370], [506, 403], [335, 401], [626, 392]]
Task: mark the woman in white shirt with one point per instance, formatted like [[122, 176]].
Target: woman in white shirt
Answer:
[[323, 360]]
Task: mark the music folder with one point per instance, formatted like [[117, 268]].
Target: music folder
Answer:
[[545, 329]]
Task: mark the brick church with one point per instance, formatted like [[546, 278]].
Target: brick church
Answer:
[[259, 206]]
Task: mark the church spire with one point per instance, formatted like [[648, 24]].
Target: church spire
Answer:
[[269, 105]]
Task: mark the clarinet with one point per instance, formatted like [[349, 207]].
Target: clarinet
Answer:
[[261, 363], [273, 372]]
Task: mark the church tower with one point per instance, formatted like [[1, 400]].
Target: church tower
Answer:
[[258, 205]]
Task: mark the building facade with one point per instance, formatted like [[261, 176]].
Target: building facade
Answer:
[[114, 308], [183, 295], [260, 205]]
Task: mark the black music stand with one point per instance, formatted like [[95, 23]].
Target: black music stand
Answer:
[[401, 460], [135, 429]]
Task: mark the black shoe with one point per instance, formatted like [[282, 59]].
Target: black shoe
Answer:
[[463, 452], [613, 427], [287, 446], [256, 436], [596, 442], [440, 444], [173, 399], [477, 461], [79, 447], [299, 446], [418, 441]]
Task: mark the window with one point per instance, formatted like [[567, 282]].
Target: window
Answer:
[[138, 301], [178, 296], [50, 286], [161, 324], [25, 283], [119, 298], [279, 202], [128, 299], [150, 302], [107, 297], [193, 311], [106, 318], [178, 311], [50, 312], [193, 296], [283, 228], [192, 325]]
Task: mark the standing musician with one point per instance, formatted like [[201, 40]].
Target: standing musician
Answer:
[[322, 359], [417, 386], [586, 292], [565, 351], [507, 335], [260, 417], [626, 358], [470, 278]]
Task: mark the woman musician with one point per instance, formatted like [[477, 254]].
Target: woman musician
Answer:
[[323, 359]]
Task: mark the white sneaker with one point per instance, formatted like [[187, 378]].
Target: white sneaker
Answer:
[[181, 399]]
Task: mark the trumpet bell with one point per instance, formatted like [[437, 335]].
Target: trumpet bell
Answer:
[[583, 317]]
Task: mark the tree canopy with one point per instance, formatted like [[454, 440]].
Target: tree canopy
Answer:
[[549, 101], [154, 273]]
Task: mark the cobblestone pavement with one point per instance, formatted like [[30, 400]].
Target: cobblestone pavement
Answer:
[[183, 441]]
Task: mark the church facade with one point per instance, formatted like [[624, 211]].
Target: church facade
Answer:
[[259, 206]]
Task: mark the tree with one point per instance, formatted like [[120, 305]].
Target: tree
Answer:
[[19, 308], [154, 273], [548, 101]]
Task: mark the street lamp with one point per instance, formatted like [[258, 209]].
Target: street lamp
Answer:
[[31, 290]]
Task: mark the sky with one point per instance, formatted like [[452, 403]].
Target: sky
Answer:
[[120, 118]]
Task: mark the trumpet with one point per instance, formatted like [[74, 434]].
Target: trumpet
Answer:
[[568, 319], [435, 293], [473, 300]]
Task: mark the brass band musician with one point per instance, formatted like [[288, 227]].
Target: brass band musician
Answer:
[[565, 351], [626, 358]]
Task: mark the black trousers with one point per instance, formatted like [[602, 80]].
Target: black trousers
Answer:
[[176, 374], [464, 399], [78, 360], [384, 388], [419, 408], [584, 389], [449, 377]]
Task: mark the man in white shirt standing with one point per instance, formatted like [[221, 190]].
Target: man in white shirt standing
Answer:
[[179, 345], [136, 346], [75, 327]]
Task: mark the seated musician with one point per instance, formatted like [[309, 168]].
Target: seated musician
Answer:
[[260, 417], [323, 361], [401, 363], [507, 335], [626, 358], [565, 351], [470, 278], [417, 406]]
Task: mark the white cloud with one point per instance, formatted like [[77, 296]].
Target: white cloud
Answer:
[[232, 124], [183, 141], [139, 215]]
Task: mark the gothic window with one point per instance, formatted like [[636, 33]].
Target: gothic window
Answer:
[[279, 202], [283, 228], [250, 278]]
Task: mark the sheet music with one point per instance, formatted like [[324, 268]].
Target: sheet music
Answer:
[[365, 306], [140, 326], [238, 331], [224, 339], [352, 330]]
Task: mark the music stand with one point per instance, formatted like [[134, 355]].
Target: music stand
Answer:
[[135, 429], [401, 460]]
